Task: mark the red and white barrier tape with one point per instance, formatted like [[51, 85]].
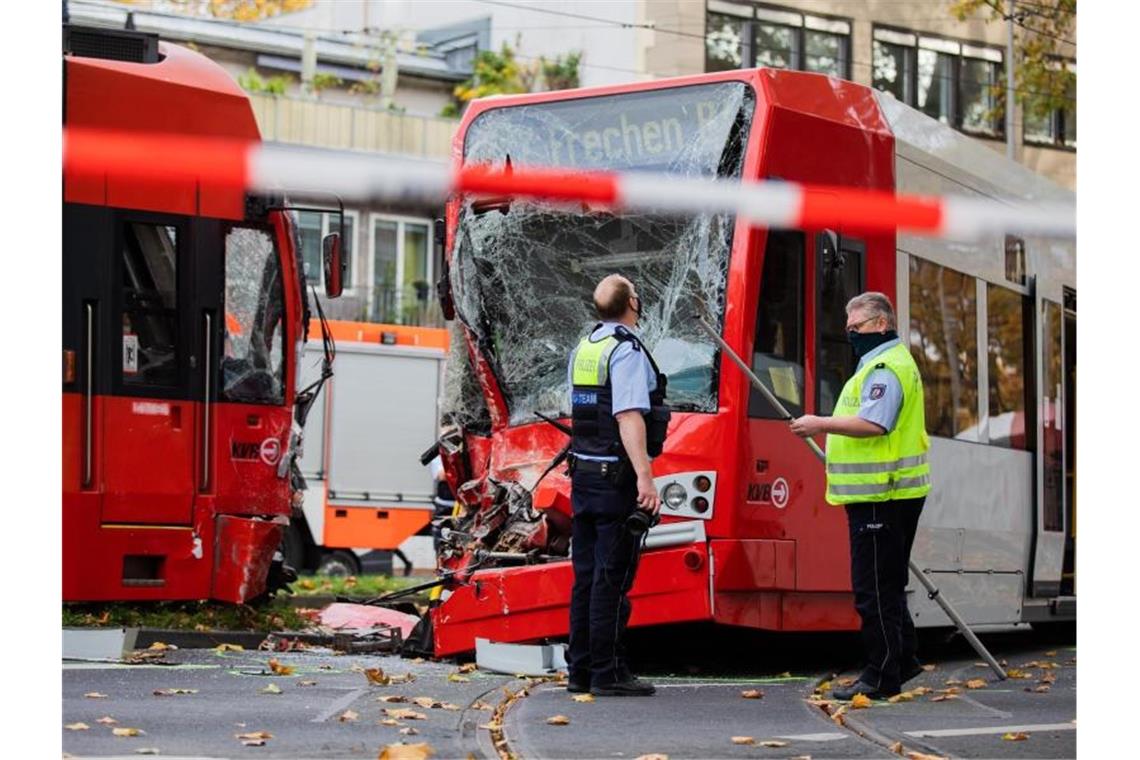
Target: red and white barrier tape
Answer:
[[360, 176]]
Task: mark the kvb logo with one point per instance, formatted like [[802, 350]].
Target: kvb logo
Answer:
[[270, 451], [780, 493]]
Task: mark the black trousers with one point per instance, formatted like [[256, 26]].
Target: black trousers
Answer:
[[605, 558], [882, 534]]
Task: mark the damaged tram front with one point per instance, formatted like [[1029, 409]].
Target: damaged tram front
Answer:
[[746, 537], [521, 277]]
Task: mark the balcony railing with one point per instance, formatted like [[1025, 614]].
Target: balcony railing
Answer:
[[286, 119]]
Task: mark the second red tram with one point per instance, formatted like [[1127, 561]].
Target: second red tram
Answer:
[[752, 542], [184, 319]]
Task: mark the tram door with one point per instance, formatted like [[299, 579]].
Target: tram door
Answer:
[[1050, 539], [1069, 569]]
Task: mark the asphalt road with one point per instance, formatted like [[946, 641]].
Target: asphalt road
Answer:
[[700, 673]]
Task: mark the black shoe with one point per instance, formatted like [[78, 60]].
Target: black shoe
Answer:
[[632, 687], [577, 687], [914, 671], [861, 687]]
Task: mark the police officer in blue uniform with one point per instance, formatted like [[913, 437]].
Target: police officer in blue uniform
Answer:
[[619, 419]]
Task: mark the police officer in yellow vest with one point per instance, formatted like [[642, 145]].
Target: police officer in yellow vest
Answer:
[[618, 418], [877, 468]]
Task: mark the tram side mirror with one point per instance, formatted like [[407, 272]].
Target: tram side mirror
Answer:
[[334, 264], [443, 285]]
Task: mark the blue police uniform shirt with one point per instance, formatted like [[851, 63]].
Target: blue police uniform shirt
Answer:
[[631, 377], [882, 393]]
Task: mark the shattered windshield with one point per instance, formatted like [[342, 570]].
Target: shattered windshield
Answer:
[[524, 273]]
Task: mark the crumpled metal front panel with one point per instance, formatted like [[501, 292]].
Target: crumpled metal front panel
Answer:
[[524, 272]]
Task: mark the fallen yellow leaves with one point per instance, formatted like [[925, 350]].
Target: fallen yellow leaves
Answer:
[[752, 694], [558, 720], [743, 740], [481, 705], [107, 720], [392, 698], [822, 687], [838, 718], [376, 677], [773, 743], [652, 756], [1048, 678], [468, 668], [306, 683], [77, 726], [173, 692], [271, 689], [1039, 689], [913, 755], [147, 751], [95, 695], [860, 702], [897, 748], [403, 713], [456, 678], [583, 697], [1018, 736], [220, 648], [390, 722], [279, 669], [419, 751], [254, 736], [944, 697], [492, 726], [976, 683], [158, 646], [348, 716], [401, 678], [408, 731], [428, 702], [127, 731], [929, 668]]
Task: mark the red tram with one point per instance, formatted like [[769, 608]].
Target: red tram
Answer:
[[183, 325], [747, 538]]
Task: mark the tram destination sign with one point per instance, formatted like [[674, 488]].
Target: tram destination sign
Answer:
[[678, 129]]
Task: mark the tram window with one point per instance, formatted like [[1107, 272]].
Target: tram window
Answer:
[[150, 305], [253, 363], [778, 350], [944, 343], [839, 268], [1052, 420], [1006, 339]]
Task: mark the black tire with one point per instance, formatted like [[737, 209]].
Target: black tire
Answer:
[[339, 563], [293, 547]]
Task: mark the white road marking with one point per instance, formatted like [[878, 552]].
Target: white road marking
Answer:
[[340, 705], [828, 736], [981, 730]]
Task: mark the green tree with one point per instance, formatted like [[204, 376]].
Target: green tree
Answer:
[[1045, 29], [502, 73]]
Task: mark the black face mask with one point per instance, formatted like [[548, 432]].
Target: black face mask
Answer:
[[861, 343]]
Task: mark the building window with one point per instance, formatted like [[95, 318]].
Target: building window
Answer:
[[743, 36], [313, 226], [1055, 127], [944, 343], [402, 268], [953, 82]]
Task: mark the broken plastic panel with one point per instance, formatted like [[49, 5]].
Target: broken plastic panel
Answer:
[[523, 272]]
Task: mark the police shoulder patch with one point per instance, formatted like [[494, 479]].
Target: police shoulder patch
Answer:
[[878, 390]]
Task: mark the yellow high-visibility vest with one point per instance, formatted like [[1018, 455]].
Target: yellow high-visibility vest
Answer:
[[881, 467]]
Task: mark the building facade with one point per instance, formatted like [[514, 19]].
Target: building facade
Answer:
[[915, 50]]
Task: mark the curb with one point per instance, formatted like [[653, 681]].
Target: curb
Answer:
[[212, 638]]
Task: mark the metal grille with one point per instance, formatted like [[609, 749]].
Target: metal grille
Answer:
[[112, 45]]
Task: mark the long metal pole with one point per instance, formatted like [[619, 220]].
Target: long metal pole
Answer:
[[931, 589], [1009, 59]]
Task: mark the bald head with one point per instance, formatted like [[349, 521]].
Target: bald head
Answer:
[[611, 297]]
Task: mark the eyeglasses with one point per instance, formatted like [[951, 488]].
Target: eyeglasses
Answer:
[[857, 325]]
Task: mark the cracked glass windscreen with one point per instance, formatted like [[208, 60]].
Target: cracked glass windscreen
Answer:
[[253, 367], [524, 272]]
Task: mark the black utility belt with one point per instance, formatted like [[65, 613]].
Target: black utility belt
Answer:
[[611, 470]]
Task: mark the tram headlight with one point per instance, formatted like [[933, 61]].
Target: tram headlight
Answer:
[[674, 495]]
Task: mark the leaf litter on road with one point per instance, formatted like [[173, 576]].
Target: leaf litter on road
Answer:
[[127, 731], [976, 683], [403, 713], [254, 736], [558, 720], [271, 689], [107, 720], [348, 716], [279, 669], [752, 694], [173, 692], [420, 751], [583, 697], [1015, 736], [773, 743], [743, 740], [95, 695], [77, 726], [860, 702]]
